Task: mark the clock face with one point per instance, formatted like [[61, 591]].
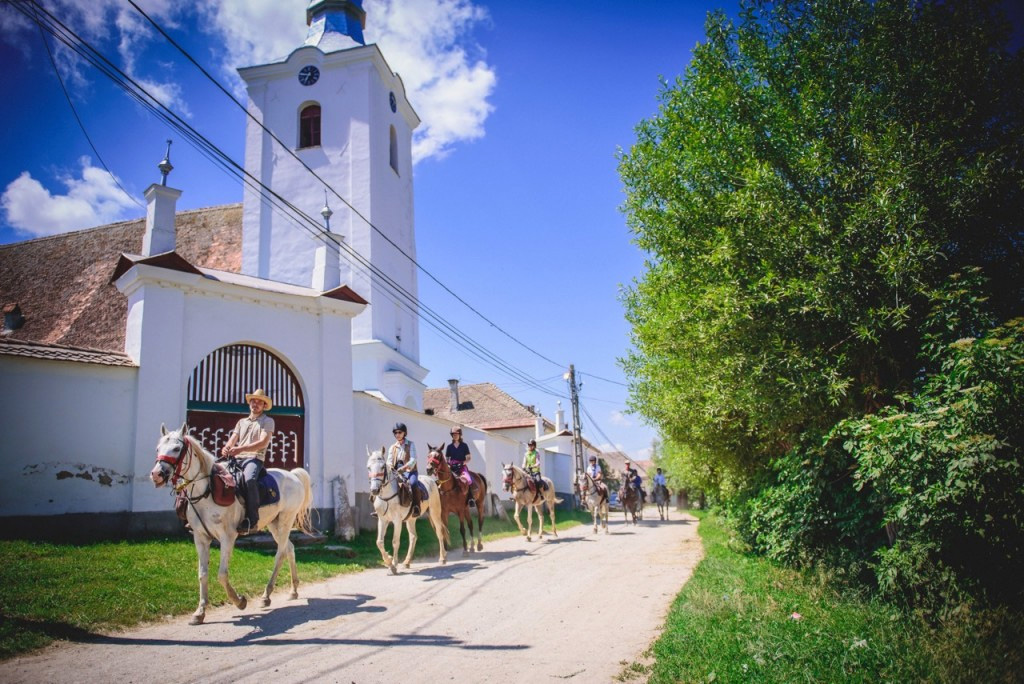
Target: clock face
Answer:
[[394, 103], [308, 75]]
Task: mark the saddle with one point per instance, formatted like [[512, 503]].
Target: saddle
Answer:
[[405, 492]]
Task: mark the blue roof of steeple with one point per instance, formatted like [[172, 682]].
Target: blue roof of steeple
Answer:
[[330, 21]]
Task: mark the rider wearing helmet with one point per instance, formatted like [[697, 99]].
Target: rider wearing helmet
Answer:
[[594, 469], [458, 457], [402, 457], [531, 464], [659, 479]]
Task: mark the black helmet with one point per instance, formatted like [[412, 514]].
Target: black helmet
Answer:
[[532, 442], [399, 426], [592, 458]]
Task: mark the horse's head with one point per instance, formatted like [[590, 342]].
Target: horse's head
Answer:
[[376, 468], [169, 452], [507, 476], [435, 459]]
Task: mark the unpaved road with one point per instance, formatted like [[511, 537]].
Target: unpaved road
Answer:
[[571, 608]]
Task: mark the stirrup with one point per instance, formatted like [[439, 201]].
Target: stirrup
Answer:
[[245, 527]]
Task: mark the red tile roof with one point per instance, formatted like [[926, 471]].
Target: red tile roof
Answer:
[[62, 283], [54, 352], [483, 405]]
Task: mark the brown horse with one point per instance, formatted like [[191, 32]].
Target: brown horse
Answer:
[[454, 499], [630, 498]]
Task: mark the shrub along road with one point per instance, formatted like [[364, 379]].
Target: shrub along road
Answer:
[[576, 607]]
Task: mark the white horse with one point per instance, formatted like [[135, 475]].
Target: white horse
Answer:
[[517, 481], [182, 461], [384, 483], [596, 498]]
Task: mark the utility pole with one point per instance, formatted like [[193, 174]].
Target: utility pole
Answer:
[[577, 439]]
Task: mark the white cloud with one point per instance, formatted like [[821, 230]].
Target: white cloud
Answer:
[[91, 200], [620, 418], [426, 41]]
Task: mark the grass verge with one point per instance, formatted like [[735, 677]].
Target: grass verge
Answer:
[[56, 591], [742, 619]]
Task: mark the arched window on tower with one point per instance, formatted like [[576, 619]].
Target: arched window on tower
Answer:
[[309, 126], [394, 149]]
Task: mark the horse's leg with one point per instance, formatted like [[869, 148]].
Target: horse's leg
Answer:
[[479, 524], [284, 550], [519, 524], [529, 522], [439, 521], [382, 528], [410, 524], [203, 553], [462, 530], [227, 546]]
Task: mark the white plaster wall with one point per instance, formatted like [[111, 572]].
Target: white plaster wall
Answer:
[[68, 437], [187, 317]]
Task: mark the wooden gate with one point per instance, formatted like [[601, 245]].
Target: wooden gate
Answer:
[[216, 400]]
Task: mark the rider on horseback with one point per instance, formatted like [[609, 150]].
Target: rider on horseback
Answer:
[[531, 464], [659, 481], [594, 469], [458, 457], [634, 479], [252, 436], [402, 457]]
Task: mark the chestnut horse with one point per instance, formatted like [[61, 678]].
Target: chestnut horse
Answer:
[[182, 461], [453, 496], [630, 498]]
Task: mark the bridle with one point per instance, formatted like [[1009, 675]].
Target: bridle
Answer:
[[182, 463], [434, 460], [384, 477]]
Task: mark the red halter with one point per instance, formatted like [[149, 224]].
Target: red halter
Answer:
[[176, 461]]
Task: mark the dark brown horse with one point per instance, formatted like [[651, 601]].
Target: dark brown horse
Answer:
[[630, 498], [454, 499]]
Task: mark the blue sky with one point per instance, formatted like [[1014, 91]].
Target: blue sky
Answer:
[[517, 195]]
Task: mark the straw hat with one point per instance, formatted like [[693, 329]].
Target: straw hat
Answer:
[[262, 396]]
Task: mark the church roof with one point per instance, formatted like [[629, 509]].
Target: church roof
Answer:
[[483, 405], [62, 284]]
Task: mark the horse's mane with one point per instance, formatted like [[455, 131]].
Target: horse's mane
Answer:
[[197, 446]]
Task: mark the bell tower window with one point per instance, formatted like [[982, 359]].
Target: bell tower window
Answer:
[[309, 126], [394, 149]]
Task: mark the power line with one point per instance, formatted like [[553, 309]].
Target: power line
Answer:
[[293, 214], [333, 191], [598, 377], [81, 125]]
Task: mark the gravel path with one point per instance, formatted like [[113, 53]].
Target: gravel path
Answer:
[[576, 607]]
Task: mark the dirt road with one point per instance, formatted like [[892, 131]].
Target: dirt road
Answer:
[[570, 608]]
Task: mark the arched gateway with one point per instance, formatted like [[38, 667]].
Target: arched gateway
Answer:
[[216, 400]]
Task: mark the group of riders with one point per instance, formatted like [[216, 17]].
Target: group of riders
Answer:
[[630, 477], [248, 441]]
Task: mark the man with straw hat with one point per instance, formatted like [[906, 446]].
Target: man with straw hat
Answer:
[[248, 442]]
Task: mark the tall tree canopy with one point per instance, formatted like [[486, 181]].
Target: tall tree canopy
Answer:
[[820, 171]]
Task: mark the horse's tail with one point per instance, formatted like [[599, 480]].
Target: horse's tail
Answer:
[[303, 519], [558, 500]]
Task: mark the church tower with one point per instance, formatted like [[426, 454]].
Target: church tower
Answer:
[[340, 110]]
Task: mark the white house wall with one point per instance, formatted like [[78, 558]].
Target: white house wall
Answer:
[[68, 441], [194, 317]]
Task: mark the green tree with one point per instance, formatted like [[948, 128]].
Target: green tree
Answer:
[[803, 191]]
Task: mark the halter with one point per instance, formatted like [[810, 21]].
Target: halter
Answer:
[[382, 475], [178, 462], [436, 458]]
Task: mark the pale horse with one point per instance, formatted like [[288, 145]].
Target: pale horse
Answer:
[[595, 497], [182, 461], [384, 482], [516, 481]]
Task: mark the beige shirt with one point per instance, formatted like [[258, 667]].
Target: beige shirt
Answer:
[[248, 430]]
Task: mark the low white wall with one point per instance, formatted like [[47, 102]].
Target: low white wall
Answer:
[[68, 437]]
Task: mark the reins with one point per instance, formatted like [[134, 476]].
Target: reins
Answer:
[[186, 450]]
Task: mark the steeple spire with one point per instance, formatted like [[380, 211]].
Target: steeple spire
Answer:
[[335, 24]]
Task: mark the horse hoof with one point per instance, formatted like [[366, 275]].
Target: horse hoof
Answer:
[[265, 602], [242, 602], [294, 595], [197, 620], [393, 569]]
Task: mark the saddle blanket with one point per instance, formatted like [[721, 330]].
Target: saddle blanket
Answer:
[[269, 492]]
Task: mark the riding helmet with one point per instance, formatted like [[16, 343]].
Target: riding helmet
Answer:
[[399, 426]]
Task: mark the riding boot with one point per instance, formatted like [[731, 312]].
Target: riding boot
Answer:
[[415, 501], [252, 509]]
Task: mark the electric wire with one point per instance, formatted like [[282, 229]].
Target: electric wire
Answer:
[[295, 215], [335, 192]]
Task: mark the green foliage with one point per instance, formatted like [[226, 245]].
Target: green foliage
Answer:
[[742, 618], [818, 172], [948, 466]]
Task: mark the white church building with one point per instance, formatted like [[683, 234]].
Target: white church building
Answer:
[[112, 331]]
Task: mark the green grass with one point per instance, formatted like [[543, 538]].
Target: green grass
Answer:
[[52, 591], [734, 622]]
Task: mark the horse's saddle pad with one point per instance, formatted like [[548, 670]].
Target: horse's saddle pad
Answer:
[[225, 487]]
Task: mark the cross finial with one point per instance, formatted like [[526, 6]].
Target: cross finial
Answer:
[[326, 212]]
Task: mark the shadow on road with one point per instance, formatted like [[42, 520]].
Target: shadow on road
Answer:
[[441, 572]]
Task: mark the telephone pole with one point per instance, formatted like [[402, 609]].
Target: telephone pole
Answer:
[[577, 439]]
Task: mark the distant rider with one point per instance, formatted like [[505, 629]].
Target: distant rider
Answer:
[[659, 481], [634, 479]]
